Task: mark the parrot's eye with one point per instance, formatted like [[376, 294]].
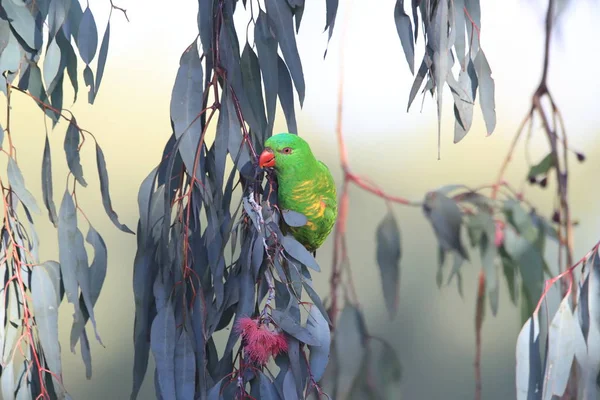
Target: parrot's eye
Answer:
[[287, 150]]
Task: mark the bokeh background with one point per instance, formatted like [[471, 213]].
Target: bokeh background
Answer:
[[434, 329]]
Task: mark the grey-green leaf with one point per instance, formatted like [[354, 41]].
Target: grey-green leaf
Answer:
[[102, 58], [388, 259], [299, 252], [15, 178], [71, 146], [439, 42], [162, 342], [390, 369], [459, 38], [252, 86], [529, 365], [463, 103], [543, 167], [11, 55], [289, 325], [318, 327], [70, 59], [104, 190], [486, 91], [349, 348], [421, 73], [404, 28], [88, 79], [564, 336], [52, 65], [95, 276], [45, 307], [57, 14], [530, 261], [446, 219], [281, 15], [67, 232], [286, 96], [294, 218], [266, 46], [87, 37], [186, 104], [47, 192], [23, 23], [185, 366]]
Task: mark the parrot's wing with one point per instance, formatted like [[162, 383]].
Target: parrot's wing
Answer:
[[330, 199]]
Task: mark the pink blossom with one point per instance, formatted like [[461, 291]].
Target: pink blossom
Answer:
[[260, 342], [499, 239]]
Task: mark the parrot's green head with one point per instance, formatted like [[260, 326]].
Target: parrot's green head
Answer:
[[286, 153]]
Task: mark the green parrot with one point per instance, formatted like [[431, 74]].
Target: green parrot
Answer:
[[305, 185]]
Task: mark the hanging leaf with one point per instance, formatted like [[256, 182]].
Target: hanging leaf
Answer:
[[162, 342], [15, 178], [531, 265], [388, 259], [267, 388], [71, 146], [421, 73], [542, 168], [463, 104], [47, 192], [318, 327], [289, 386], [266, 45], [104, 190], [10, 56], [252, 86], [486, 91], [102, 58], [331, 7], [52, 65], [45, 307], [404, 28], [97, 275], [23, 24], [349, 348], [57, 14], [299, 252], [88, 79], [185, 366], [591, 364], [186, 103], [287, 323], [564, 340], [86, 355], [286, 97], [68, 53], [446, 219], [280, 13], [529, 363], [474, 10], [67, 234], [293, 218], [87, 36], [459, 35]]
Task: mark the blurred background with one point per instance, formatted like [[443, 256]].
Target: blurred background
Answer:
[[434, 329]]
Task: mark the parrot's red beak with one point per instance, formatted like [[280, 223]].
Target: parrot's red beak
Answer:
[[266, 159]]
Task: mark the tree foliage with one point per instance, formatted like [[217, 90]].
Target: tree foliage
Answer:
[[62, 33], [196, 212], [224, 300]]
